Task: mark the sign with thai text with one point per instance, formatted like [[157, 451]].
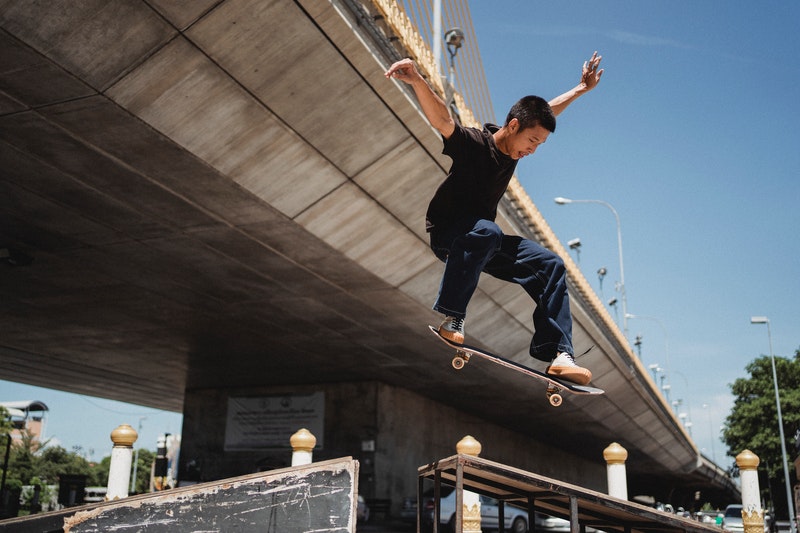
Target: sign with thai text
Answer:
[[263, 422]]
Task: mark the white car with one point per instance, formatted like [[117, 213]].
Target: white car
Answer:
[[515, 519], [732, 520]]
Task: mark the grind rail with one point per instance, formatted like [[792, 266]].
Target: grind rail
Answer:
[[582, 507]]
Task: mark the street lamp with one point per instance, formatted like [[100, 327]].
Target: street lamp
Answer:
[[666, 337], [710, 432], [563, 201], [789, 499], [655, 369], [575, 244], [136, 458]]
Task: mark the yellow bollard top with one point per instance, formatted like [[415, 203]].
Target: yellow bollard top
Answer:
[[303, 441], [124, 435], [468, 446], [615, 454], [747, 460]]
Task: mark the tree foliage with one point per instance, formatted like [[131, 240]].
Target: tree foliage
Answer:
[[143, 470], [753, 422]]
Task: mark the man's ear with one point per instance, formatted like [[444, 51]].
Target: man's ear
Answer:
[[513, 125]]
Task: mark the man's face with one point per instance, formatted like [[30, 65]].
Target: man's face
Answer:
[[522, 143]]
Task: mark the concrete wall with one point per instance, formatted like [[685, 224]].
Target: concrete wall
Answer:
[[408, 431]]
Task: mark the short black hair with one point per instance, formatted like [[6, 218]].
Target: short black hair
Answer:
[[532, 111]]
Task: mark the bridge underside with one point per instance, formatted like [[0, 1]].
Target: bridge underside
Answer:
[[228, 194]]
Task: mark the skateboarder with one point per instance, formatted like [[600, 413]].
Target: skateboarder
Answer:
[[461, 215]]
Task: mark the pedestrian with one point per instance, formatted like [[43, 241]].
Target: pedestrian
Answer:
[[461, 216]]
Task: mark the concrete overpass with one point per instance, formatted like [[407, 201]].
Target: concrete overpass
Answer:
[[227, 196]]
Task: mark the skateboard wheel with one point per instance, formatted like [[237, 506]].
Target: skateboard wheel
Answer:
[[555, 399], [458, 362]]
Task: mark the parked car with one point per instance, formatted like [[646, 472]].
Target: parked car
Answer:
[[515, 519], [408, 511], [552, 524], [732, 519], [362, 510], [542, 522]]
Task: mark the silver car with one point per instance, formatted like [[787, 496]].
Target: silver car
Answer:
[[515, 519], [732, 519]]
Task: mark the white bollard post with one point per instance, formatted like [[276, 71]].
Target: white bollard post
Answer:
[[119, 473], [615, 456], [302, 443], [472, 501], [752, 514]]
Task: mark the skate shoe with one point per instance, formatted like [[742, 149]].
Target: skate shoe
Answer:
[[564, 367], [452, 329]]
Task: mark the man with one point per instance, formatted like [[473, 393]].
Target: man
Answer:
[[460, 217]]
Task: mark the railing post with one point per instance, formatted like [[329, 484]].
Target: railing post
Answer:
[[472, 502], [303, 443], [119, 473], [615, 456], [752, 514]]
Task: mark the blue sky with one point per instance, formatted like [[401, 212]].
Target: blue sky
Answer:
[[692, 136], [87, 422]]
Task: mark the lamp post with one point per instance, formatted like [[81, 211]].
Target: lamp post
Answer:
[[710, 432], [666, 337], [789, 498], [655, 369], [136, 458], [563, 201]]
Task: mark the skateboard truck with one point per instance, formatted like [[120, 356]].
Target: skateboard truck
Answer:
[[553, 393], [553, 396], [460, 359]]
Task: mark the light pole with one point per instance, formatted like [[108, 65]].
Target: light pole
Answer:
[[136, 458], [666, 338], [655, 369], [563, 201], [789, 498], [710, 432]]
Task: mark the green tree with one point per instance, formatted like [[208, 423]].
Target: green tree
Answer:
[[6, 427], [22, 466], [54, 461], [143, 470], [35, 463], [753, 422], [5, 421]]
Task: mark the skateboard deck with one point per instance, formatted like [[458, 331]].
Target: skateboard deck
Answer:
[[554, 385]]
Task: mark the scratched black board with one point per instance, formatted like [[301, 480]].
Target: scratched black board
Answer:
[[319, 497]]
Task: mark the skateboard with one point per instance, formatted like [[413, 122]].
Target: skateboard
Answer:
[[554, 385]]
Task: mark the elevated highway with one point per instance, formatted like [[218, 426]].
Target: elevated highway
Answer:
[[229, 194]]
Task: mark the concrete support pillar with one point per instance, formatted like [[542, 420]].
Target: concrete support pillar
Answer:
[[472, 503], [303, 443], [615, 456], [752, 514], [119, 473]]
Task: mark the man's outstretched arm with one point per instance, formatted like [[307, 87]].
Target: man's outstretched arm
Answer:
[[590, 77], [432, 105]]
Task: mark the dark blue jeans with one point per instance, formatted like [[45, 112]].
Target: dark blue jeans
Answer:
[[474, 246]]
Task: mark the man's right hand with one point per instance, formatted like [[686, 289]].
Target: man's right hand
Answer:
[[432, 105], [404, 70]]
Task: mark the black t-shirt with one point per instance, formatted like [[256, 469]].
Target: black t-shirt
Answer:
[[477, 179]]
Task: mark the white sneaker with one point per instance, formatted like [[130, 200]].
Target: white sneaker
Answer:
[[452, 329], [564, 367]]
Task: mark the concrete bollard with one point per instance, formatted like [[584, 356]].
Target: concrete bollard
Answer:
[[752, 514], [471, 500], [615, 456], [119, 473], [303, 443]]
